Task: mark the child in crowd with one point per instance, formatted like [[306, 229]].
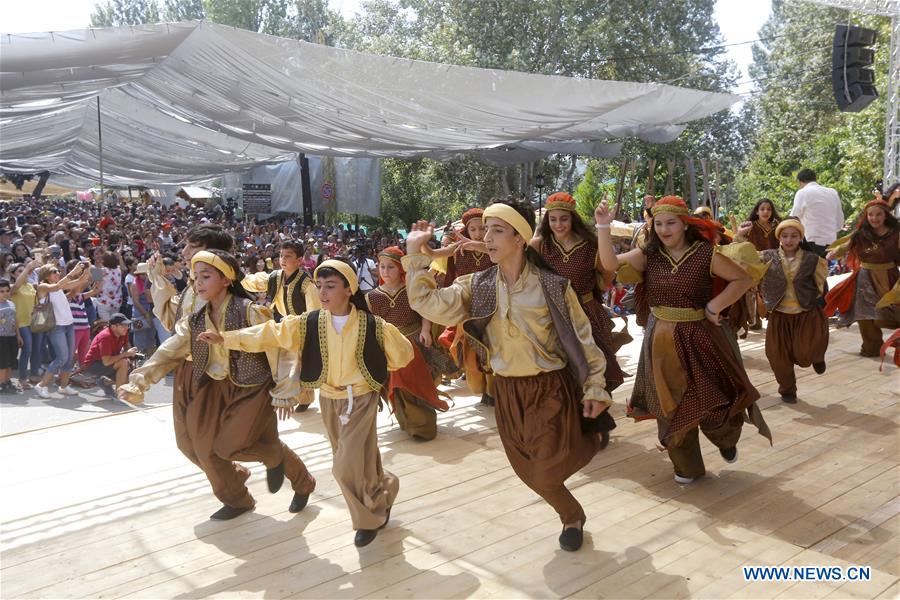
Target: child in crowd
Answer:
[[10, 340]]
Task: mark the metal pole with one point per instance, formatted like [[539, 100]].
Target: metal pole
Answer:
[[100, 140], [892, 118], [305, 190]]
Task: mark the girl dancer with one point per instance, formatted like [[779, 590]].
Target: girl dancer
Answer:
[[873, 252], [415, 412], [346, 353], [570, 248], [462, 260], [690, 374], [227, 414], [759, 230], [526, 322], [798, 330]]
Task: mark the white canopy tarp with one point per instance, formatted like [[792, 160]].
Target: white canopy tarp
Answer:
[[183, 102]]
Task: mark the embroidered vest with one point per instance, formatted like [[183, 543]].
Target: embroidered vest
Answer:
[[484, 305], [245, 369], [774, 284], [370, 357], [293, 296]]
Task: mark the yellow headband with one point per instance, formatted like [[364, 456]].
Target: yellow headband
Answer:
[[342, 268], [790, 223], [211, 259], [507, 213]]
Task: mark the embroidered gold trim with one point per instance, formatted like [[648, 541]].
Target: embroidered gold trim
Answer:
[[676, 314], [677, 263], [567, 254]]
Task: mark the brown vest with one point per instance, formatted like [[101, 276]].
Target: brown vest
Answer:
[[246, 369], [484, 305], [774, 284]]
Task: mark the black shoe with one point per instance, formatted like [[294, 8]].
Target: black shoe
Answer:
[[487, 400], [789, 398], [571, 538], [364, 537], [227, 512], [106, 384], [275, 477], [301, 408], [819, 367], [298, 503], [729, 454]]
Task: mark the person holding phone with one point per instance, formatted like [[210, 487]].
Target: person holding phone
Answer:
[[51, 288]]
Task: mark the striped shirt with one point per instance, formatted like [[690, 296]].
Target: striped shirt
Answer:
[[78, 312]]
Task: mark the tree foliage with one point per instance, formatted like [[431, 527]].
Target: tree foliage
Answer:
[[796, 119]]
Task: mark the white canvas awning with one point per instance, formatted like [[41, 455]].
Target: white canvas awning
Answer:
[[188, 101]]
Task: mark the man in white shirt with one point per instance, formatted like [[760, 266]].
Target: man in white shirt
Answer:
[[366, 270], [819, 209]]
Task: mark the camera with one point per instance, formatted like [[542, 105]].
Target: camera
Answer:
[[140, 356]]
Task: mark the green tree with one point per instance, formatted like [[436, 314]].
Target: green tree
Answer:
[[797, 122]]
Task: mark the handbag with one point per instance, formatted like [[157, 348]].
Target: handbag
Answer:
[[42, 317]]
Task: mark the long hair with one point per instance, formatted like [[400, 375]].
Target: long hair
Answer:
[[579, 228], [359, 298], [754, 213], [865, 235], [697, 229], [525, 209], [235, 289]]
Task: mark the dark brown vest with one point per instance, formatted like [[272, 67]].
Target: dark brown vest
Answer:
[[246, 369], [774, 284], [370, 356], [292, 294], [484, 305]]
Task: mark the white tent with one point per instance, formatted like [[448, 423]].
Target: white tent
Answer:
[[184, 102]]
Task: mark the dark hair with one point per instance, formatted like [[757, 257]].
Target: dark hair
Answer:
[[865, 235], [654, 244], [211, 237], [294, 246], [524, 208], [806, 175], [579, 227], [358, 299], [109, 260], [754, 213], [235, 289], [4, 283]]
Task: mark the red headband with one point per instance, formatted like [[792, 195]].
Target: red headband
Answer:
[[675, 205], [472, 213]]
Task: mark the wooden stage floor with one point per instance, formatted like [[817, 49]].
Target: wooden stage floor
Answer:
[[109, 508]]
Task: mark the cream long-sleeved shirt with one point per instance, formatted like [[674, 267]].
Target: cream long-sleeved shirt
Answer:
[[342, 370], [522, 339]]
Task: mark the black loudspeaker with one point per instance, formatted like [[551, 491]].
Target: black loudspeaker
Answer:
[[851, 77]]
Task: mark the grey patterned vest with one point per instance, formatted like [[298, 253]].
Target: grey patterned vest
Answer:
[[484, 305], [246, 369], [774, 284]]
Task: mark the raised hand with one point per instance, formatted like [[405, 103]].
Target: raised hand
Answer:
[[419, 235], [744, 228], [603, 215]]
